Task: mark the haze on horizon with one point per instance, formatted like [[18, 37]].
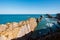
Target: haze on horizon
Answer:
[[29, 6]]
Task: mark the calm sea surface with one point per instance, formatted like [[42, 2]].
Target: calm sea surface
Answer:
[[16, 17]]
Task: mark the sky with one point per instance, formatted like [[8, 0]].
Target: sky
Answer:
[[29, 6]]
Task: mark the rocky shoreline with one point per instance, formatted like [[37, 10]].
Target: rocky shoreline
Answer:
[[12, 30]]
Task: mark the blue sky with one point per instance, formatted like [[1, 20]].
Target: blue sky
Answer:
[[29, 6]]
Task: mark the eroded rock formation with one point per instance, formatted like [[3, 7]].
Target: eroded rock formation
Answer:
[[13, 30]]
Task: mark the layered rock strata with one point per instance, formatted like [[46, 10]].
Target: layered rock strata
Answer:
[[13, 30]]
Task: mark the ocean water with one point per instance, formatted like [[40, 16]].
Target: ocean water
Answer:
[[15, 18], [5, 18]]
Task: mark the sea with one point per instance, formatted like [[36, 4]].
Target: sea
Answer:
[[5, 18], [9, 18]]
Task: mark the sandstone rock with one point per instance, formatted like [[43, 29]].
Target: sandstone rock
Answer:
[[3, 27], [14, 30]]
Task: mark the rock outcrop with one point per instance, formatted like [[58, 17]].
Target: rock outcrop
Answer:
[[13, 30]]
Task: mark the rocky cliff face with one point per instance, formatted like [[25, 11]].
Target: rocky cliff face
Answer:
[[13, 30]]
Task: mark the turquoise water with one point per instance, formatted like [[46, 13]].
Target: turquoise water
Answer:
[[15, 18], [41, 28]]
